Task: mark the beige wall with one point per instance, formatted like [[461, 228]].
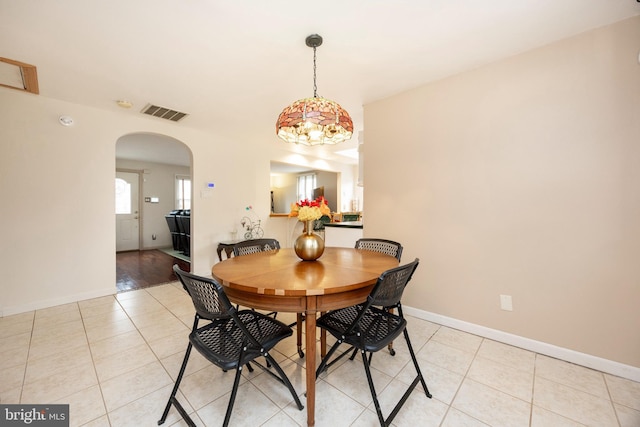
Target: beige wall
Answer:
[[285, 190], [56, 187], [521, 178], [57, 191]]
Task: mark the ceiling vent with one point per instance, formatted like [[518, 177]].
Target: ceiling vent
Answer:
[[163, 113]]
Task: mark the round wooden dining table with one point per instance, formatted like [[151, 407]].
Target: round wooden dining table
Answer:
[[279, 281]]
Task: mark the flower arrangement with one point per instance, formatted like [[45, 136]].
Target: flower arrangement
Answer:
[[310, 210]]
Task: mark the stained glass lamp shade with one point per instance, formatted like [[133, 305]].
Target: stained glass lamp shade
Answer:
[[317, 120]]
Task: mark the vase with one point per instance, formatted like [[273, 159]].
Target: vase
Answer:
[[309, 246]]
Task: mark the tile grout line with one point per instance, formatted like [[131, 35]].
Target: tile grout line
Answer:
[[146, 343], [533, 388], [93, 362], [446, 413], [145, 339], [553, 380], [613, 406], [475, 354], [26, 362], [444, 416], [195, 411], [465, 376]]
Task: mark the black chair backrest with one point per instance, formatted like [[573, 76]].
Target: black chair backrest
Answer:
[[212, 303], [388, 289], [254, 246], [184, 224], [207, 295], [171, 222], [388, 247]]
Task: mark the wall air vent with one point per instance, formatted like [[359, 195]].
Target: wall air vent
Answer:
[[163, 112]]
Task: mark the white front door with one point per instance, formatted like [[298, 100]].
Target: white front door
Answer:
[[127, 215]]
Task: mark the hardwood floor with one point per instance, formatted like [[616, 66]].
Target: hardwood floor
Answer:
[[141, 269]]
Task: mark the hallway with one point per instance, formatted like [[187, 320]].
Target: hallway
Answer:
[[141, 269]]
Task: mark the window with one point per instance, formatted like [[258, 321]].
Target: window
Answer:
[[183, 192], [306, 184], [123, 196]]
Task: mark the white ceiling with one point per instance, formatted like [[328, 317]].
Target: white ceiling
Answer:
[[234, 65]]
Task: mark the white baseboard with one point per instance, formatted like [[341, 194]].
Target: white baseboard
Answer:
[[583, 359], [37, 305]]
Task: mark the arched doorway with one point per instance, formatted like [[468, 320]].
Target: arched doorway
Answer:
[[159, 168]]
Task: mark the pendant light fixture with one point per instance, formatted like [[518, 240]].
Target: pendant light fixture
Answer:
[[317, 120]]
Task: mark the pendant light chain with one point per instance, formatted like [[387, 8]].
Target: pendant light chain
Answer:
[[315, 86]]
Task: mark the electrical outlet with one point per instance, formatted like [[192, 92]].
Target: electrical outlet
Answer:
[[506, 303]]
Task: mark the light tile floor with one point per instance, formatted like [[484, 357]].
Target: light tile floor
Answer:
[[114, 360]]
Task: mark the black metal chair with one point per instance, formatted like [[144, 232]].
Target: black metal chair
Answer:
[[370, 328], [261, 245], [172, 223], [254, 246], [184, 227], [384, 246], [232, 339]]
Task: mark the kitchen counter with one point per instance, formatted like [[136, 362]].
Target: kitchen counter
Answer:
[[348, 224], [342, 234]]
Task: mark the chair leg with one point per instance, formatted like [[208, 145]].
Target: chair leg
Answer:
[[172, 398], [285, 379], [413, 355], [323, 338], [355, 351], [415, 363], [234, 392], [391, 350], [299, 320], [414, 383], [323, 363], [353, 355], [374, 395], [367, 361], [390, 346]]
